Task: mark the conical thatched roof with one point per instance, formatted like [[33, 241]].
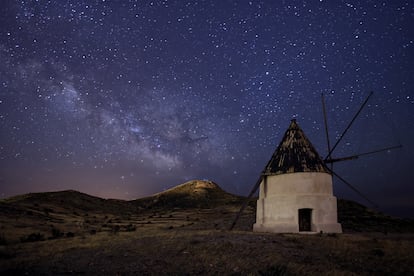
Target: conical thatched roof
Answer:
[[295, 153]]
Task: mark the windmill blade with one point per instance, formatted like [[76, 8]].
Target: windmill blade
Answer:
[[380, 150], [256, 186], [326, 123], [349, 125], [325, 119], [334, 160], [354, 189], [356, 156]]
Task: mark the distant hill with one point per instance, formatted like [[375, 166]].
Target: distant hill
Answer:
[[359, 218], [64, 201], [192, 194]]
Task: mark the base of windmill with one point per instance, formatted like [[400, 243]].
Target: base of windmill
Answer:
[[297, 203]]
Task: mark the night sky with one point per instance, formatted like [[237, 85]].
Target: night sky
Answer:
[[123, 99]]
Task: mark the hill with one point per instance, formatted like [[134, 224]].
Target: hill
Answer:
[[66, 201], [54, 214], [356, 217], [192, 194]]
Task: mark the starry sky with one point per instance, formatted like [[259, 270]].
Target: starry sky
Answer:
[[123, 99]]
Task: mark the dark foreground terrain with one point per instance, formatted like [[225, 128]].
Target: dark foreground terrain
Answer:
[[185, 231]]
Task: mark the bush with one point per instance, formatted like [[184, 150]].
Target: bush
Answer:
[[6, 254], [33, 237], [47, 210], [274, 270], [378, 252], [130, 228], [3, 240], [56, 233], [115, 229]]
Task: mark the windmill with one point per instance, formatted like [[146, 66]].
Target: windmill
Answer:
[[296, 191]]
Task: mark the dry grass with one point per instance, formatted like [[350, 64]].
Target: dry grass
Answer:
[[190, 242], [154, 250]]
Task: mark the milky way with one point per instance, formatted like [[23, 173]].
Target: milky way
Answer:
[[127, 98]]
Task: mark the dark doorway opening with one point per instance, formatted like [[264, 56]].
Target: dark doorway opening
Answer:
[[305, 219]]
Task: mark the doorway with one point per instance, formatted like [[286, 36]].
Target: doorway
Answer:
[[305, 220]]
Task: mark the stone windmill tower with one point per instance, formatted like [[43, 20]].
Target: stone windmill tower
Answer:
[[296, 193]]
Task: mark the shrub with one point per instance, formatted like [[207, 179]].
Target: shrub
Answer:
[[56, 233], [115, 229], [47, 210], [378, 252], [6, 254], [130, 228], [3, 240], [274, 270], [33, 237]]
